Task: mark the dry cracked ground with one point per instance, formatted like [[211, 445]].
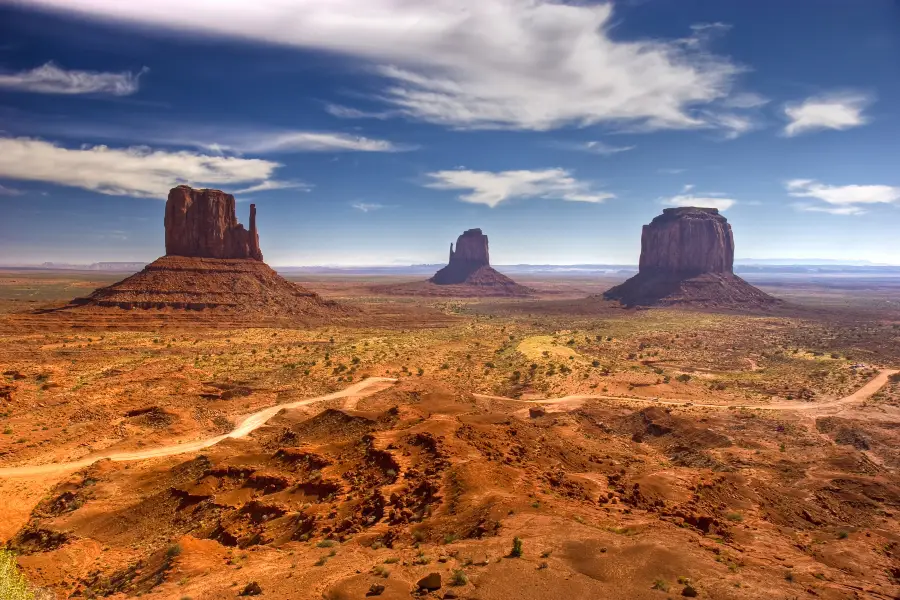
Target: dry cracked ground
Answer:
[[692, 454]]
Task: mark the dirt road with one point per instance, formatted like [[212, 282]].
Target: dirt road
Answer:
[[572, 402], [250, 423]]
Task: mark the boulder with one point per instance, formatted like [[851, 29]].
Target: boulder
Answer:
[[251, 589], [203, 224], [430, 582]]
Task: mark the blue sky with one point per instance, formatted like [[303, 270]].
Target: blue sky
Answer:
[[376, 132]]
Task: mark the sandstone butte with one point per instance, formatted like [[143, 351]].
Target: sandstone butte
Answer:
[[212, 263], [203, 224], [687, 257], [470, 266]]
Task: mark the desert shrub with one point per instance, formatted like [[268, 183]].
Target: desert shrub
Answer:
[[683, 378], [516, 551], [459, 577], [13, 585]]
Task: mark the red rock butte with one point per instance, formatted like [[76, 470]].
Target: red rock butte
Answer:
[[213, 264], [687, 257], [203, 224], [470, 265]]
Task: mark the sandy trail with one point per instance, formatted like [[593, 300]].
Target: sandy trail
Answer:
[[572, 402], [250, 423]]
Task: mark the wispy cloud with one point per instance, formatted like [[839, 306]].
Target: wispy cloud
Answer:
[[52, 79], [834, 111], [670, 171], [840, 199], [700, 199], [549, 64], [347, 112], [216, 138], [492, 188], [832, 210], [745, 100], [138, 171], [593, 147], [367, 206], [8, 191], [266, 186], [264, 142]]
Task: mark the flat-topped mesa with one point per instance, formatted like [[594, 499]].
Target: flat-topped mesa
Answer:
[[687, 257], [687, 241], [203, 224], [470, 255]]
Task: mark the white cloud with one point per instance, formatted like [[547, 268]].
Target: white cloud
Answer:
[[219, 139], [594, 147], [266, 186], [842, 199], [707, 200], [275, 142], [51, 79], [307, 141], [366, 206], [137, 171], [732, 125], [512, 64], [492, 188], [687, 187], [835, 111], [745, 100], [832, 210], [347, 112]]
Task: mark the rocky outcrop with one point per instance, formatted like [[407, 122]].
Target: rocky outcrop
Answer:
[[687, 257], [203, 224], [471, 254]]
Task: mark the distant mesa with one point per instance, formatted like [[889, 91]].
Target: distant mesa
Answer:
[[687, 257], [468, 273], [212, 263]]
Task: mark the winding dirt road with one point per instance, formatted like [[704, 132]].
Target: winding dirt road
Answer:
[[572, 402], [250, 423], [369, 386]]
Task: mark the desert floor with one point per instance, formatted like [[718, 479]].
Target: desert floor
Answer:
[[633, 453]]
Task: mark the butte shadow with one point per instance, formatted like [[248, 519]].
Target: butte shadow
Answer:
[[468, 273], [212, 264], [687, 259]]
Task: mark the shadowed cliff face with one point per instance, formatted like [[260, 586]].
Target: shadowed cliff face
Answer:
[[687, 241], [203, 224]]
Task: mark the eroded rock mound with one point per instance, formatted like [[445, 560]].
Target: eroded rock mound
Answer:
[[687, 257], [203, 224]]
